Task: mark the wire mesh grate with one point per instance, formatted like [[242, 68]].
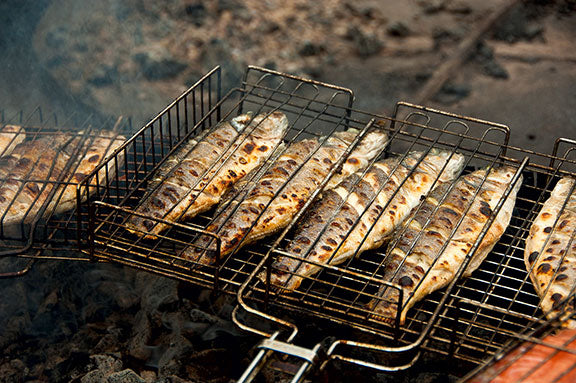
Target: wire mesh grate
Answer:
[[39, 190], [545, 353], [340, 293], [496, 301], [499, 300]]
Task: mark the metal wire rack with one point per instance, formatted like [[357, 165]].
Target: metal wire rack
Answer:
[[43, 225], [313, 109], [499, 300], [340, 293], [469, 323]]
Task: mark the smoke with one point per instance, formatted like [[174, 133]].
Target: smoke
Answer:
[[24, 81]]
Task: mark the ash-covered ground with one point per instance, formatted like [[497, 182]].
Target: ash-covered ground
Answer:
[[103, 323]]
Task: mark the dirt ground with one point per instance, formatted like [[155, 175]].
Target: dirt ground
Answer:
[[126, 58]]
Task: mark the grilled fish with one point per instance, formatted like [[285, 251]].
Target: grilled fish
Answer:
[[415, 260], [41, 159], [550, 253], [273, 202], [93, 152], [206, 172], [380, 200], [10, 136]]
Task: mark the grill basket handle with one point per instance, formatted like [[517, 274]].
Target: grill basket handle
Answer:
[[332, 355], [270, 345], [22, 270]]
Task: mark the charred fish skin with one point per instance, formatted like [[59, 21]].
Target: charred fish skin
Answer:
[[166, 191], [274, 200], [233, 223], [262, 137], [10, 137], [44, 158], [415, 260], [380, 199], [550, 252]]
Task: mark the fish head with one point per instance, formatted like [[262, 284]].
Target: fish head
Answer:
[[450, 163], [502, 174], [373, 143], [242, 121], [270, 125]]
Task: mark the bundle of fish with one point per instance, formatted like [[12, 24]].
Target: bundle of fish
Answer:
[[203, 171], [550, 252], [428, 251], [361, 213], [271, 200], [32, 169]]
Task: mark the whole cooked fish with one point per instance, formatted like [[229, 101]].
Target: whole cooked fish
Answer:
[[10, 136], [93, 152], [550, 253], [219, 160], [274, 201], [380, 200], [23, 190], [415, 260]]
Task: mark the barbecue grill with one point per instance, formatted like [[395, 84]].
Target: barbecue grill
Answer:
[[470, 320], [43, 234], [499, 301]]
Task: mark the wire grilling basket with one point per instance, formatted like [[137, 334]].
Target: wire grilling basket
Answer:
[[469, 319], [47, 221], [499, 300]]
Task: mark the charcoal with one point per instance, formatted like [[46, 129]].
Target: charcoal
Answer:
[[310, 48], [366, 45], [485, 57], [95, 376], [124, 376], [452, 93], [517, 25], [106, 363], [158, 66], [196, 13], [103, 75], [398, 29]]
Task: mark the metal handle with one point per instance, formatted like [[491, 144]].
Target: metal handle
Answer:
[[270, 345], [332, 355], [22, 271]]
